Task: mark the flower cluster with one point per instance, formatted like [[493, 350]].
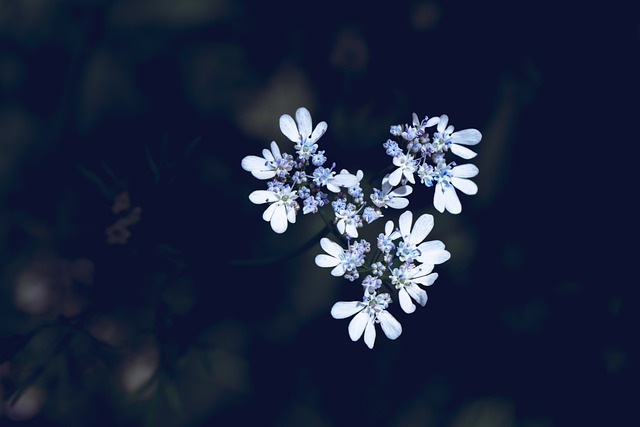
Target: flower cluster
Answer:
[[401, 262]]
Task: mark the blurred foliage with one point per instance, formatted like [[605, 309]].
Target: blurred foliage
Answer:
[[140, 287]]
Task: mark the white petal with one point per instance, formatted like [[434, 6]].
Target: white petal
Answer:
[[420, 271], [394, 178], [303, 118], [320, 130], [409, 175], [344, 180], [418, 294], [352, 230], [390, 326], [264, 174], [331, 247], [404, 222], [451, 201], [402, 191], [442, 123], [463, 152], [432, 121], [386, 186], [268, 213], [438, 198], [341, 226], [427, 280], [338, 270], [370, 334], [268, 155], [333, 188], [251, 163], [433, 255], [357, 325], [291, 215], [405, 301], [279, 221], [275, 150], [465, 185], [288, 128], [398, 203], [344, 309], [388, 228], [421, 229], [262, 196], [323, 260], [466, 137], [465, 171]]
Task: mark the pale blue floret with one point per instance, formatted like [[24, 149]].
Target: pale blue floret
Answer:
[[396, 130], [378, 268], [304, 192], [385, 243], [318, 158], [392, 148], [321, 175], [370, 214], [371, 283], [310, 205], [299, 177]]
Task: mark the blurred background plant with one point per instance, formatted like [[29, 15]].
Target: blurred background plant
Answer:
[[124, 213]]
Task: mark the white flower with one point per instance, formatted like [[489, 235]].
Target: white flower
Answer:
[[406, 278], [386, 198], [406, 167], [343, 179], [301, 134], [341, 260], [368, 312], [445, 196], [445, 138], [348, 220], [282, 208], [327, 177], [268, 166], [412, 248]]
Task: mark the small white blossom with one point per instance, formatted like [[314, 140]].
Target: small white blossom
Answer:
[[406, 279], [412, 248], [326, 177], [302, 134], [447, 178], [271, 164], [386, 198], [406, 167], [343, 261], [368, 312], [445, 138], [282, 208]]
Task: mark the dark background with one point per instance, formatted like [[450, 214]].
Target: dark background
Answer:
[[170, 318]]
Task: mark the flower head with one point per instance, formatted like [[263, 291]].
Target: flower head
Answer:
[[449, 178], [406, 279], [413, 248], [302, 133], [386, 198], [282, 206], [406, 167], [272, 164], [371, 310], [446, 139], [343, 261]]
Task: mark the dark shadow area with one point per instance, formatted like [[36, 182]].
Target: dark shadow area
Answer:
[[130, 293]]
